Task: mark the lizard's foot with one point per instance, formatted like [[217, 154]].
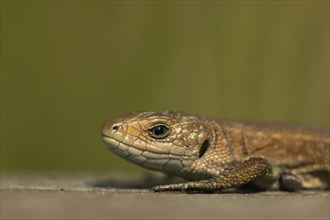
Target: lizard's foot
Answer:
[[189, 187], [290, 182], [168, 188], [253, 169]]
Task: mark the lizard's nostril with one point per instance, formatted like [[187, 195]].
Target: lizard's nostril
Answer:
[[115, 127]]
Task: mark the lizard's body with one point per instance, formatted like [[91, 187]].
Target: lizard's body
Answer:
[[216, 155]]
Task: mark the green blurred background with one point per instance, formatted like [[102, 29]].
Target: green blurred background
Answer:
[[67, 66]]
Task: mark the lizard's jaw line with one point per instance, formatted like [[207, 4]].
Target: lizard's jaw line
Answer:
[[154, 161], [117, 147], [110, 142]]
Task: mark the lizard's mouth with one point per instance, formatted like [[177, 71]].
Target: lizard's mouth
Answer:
[[110, 142], [153, 160], [124, 150]]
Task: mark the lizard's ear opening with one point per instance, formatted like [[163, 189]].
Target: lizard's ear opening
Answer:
[[204, 148]]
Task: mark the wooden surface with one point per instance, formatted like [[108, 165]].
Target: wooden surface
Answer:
[[58, 196]]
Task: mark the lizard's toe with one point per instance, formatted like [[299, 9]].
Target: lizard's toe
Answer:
[[156, 189]]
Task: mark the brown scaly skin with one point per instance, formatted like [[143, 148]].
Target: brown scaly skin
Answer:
[[216, 155]]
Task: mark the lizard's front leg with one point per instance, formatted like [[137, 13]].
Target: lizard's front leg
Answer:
[[255, 169]]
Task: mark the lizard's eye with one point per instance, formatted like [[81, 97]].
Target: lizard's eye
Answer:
[[159, 131]]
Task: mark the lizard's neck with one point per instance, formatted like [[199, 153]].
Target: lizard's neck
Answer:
[[218, 154]]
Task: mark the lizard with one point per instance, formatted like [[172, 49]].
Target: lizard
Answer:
[[215, 155]]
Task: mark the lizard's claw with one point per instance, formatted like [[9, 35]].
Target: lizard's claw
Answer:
[[168, 188], [155, 189], [183, 187]]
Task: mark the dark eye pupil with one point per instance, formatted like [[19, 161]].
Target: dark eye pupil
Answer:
[[159, 131]]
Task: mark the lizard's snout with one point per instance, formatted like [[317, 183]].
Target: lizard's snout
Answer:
[[111, 126]]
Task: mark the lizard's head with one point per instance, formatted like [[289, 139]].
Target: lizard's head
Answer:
[[167, 141]]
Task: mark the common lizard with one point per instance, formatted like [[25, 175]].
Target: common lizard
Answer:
[[220, 154]]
